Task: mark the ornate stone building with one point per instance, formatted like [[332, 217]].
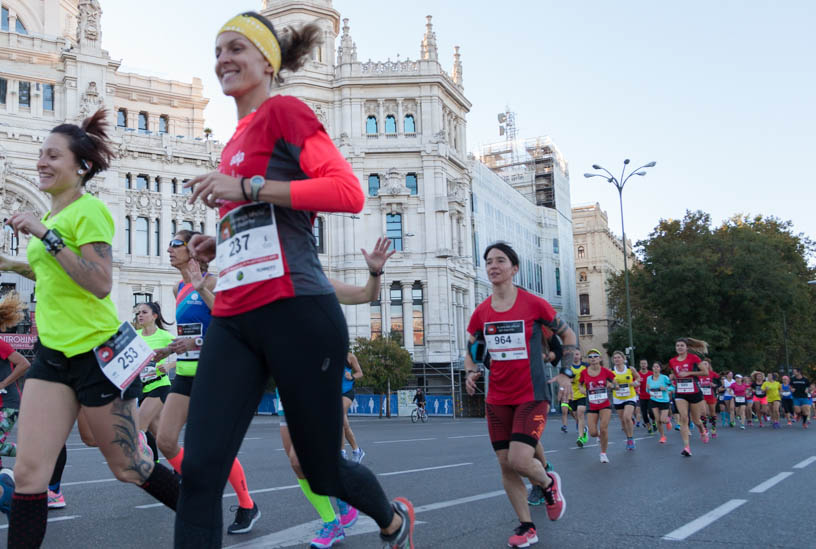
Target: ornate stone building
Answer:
[[53, 69], [401, 124], [598, 255]]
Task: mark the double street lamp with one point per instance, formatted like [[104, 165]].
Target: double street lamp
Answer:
[[619, 184]]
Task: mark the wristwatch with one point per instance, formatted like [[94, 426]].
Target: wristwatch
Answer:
[[376, 274], [52, 241], [256, 183]]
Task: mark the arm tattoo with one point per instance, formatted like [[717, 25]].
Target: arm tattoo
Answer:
[[103, 250], [557, 325], [127, 438]]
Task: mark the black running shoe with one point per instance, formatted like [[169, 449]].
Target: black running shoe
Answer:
[[244, 520]]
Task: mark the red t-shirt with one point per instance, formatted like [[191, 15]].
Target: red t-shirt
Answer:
[[284, 141], [685, 385], [706, 383], [597, 396], [643, 389], [513, 339]]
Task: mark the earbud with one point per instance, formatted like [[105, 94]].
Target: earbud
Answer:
[[80, 172]]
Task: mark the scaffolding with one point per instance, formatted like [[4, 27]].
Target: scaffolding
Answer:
[[527, 165]]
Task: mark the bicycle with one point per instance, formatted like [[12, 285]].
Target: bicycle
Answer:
[[419, 414]]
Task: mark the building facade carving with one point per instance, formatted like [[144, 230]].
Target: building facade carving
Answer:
[[55, 70]]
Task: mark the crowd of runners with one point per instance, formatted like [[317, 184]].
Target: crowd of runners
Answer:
[[272, 313], [685, 394]]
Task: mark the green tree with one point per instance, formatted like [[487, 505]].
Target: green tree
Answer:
[[385, 364], [731, 285]]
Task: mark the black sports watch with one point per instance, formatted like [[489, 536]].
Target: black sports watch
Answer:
[[52, 241], [375, 275]]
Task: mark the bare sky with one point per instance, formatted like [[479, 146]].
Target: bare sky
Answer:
[[719, 93]]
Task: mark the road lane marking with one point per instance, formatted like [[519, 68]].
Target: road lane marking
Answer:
[[55, 519], [298, 535], [402, 440], [699, 523], [292, 486], [469, 436], [423, 469], [80, 449], [803, 464], [770, 483], [80, 482]]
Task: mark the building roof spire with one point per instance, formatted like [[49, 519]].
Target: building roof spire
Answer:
[[457, 67], [429, 51], [347, 50]]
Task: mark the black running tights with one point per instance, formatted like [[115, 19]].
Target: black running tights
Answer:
[[302, 343]]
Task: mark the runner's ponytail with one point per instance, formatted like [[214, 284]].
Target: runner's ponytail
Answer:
[[90, 143], [697, 345], [11, 310]]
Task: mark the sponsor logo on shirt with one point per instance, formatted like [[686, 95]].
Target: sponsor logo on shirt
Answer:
[[237, 158]]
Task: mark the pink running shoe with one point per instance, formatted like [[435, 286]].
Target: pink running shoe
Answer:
[[348, 518], [524, 537], [328, 535], [704, 437], [55, 500]]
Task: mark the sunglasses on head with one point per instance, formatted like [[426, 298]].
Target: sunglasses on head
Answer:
[[176, 243]]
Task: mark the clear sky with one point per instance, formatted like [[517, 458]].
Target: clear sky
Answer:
[[721, 94]]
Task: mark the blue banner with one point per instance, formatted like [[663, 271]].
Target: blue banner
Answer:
[[438, 405]]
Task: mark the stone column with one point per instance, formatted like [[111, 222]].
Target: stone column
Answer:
[[425, 313], [400, 116], [380, 118], [407, 316]]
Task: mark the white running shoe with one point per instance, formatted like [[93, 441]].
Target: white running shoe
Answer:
[[604, 458]]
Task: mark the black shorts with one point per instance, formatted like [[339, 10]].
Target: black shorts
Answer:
[[577, 402], [787, 405], [182, 385], [598, 411], [659, 405], [623, 405], [691, 398], [158, 392], [349, 395], [82, 374]]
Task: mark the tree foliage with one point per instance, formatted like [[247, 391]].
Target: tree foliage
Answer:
[[730, 285], [384, 362]]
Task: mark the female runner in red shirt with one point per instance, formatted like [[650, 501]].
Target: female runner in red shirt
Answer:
[[275, 312], [708, 386], [595, 380], [513, 322], [689, 397]]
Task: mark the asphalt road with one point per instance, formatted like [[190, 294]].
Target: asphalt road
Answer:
[[745, 489]]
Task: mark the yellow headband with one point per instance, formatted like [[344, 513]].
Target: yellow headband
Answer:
[[259, 34]]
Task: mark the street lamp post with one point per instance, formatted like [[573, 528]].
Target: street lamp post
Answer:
[[619, 184]]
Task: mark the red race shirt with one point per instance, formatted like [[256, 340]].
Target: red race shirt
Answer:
[[707, 384], [282, 141], [513, 339], [596, 387], [686, 365], [643, 389]]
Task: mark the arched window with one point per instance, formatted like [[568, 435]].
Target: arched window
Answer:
[[142, 234], [395, 296], [581, 252], [411, 183], [390, 124], [393, 230], [373, 184], [142, 122], [418, 313], [317, 231], [121, 118], [408, 124], [163, 123], [371, 125], [19, 28]]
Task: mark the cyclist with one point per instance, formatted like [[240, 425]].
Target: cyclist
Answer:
[[419, 399], [519, 395]]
